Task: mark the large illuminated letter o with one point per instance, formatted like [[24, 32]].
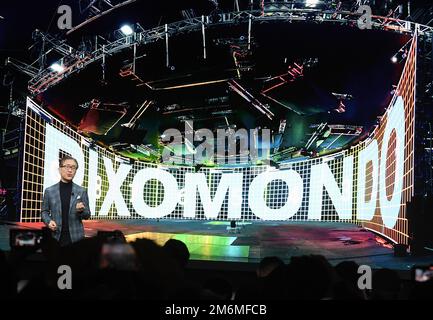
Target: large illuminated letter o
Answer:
[[257, 202], [390, 208], [171, 193]]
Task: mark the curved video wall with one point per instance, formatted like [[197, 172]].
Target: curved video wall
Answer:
[[369, 184]]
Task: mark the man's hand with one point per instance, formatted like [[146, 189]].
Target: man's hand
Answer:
[[52, 225], [80, 207]]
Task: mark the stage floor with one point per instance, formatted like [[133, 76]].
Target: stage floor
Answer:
[[214, 241]]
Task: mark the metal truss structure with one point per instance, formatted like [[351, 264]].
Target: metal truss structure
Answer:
[[97, 7], [74, 60], [424, 118]]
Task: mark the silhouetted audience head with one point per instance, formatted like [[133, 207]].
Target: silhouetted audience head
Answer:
[[267, 265], [385, 285], [309, 277], [274, 286], [346, 285], [159, 269], [348, 271], [178, 251], [115, 236]]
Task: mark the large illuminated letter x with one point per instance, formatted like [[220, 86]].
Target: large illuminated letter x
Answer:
[[115, 180]]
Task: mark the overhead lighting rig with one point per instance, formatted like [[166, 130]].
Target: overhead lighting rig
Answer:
[[294, 71], [244, 93]]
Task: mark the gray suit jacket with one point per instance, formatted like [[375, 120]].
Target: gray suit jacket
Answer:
[[52, 210]]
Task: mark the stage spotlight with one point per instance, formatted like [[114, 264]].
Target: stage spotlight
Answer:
[[402, 53], [399, 57], [126, 30], [311, 3], [57, 67]]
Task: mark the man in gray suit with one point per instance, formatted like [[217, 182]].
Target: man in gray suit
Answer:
[[65, 204]]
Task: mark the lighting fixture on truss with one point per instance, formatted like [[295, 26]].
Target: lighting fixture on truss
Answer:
[[402, 53], [144, 106], [341, 107], [264, 109], [295, 71]]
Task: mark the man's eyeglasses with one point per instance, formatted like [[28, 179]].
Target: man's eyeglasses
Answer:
[[67, 167]]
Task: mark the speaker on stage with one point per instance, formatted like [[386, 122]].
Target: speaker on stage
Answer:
[[420, 218]]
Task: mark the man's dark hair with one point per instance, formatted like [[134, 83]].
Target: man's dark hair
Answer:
[[64, 158]]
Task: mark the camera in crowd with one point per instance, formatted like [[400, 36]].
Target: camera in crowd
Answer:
[[25, 238], [422, 273]]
